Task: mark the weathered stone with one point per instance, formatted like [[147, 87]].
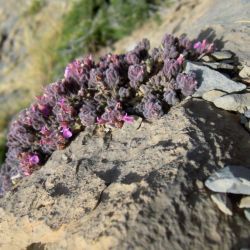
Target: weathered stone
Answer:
[[212, 95], [245, 202], [231, 179], [234, 102], [133, 189], [223, 203], [222, 55], [209, 79], [219, 65], [245, 72]]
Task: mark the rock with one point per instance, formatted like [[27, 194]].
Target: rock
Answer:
[[234, 102], [245, 202], [231, 179], [245, 72], [222, 55], [212, 95], [247, 213], [247, 113], [133, 190], [219, 65], [199, 184], [223, 203], [209, 79]]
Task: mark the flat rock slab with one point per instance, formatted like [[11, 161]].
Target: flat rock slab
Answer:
[[231, 179], [222, 55], [234, 102], [209, 79], [211, 95]]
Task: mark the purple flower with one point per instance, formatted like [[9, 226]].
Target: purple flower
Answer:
[[128, 119], [66, 132], [204, 47], [180, 59], [33, 160]]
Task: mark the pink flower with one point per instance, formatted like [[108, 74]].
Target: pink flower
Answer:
[[100, 121], [180, 59], [204, 47], [197, 45], [66, 132], [128, 119], [33, 160]]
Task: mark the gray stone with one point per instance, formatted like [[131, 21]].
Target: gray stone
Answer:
[[247, 213], [212, 95], [209, 79], [219, 65], [247, 113], [234, 102], [223, 203], [231, 179], [222, 55], [207, 58], [245, 202]]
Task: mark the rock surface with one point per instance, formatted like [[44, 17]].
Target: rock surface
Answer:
[[223, 203], [245, 202], [234, 102], [212, 95], [133, 189], [209, 79], [231, 179]]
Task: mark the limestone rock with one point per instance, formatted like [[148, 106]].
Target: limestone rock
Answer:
[[212, 95], [245, 202], [209, 79], [132, 188], [223, 203], [231, 179], [234, 102]]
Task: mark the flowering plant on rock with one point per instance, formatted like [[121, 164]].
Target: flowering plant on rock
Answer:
[[104, 93]]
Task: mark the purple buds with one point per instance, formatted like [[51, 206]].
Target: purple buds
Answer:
[[186, 83], [136, 74]]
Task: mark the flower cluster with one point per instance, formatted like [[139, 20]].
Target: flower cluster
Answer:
[[105, 93]]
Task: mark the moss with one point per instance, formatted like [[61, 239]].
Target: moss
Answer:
[[35, 7]]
